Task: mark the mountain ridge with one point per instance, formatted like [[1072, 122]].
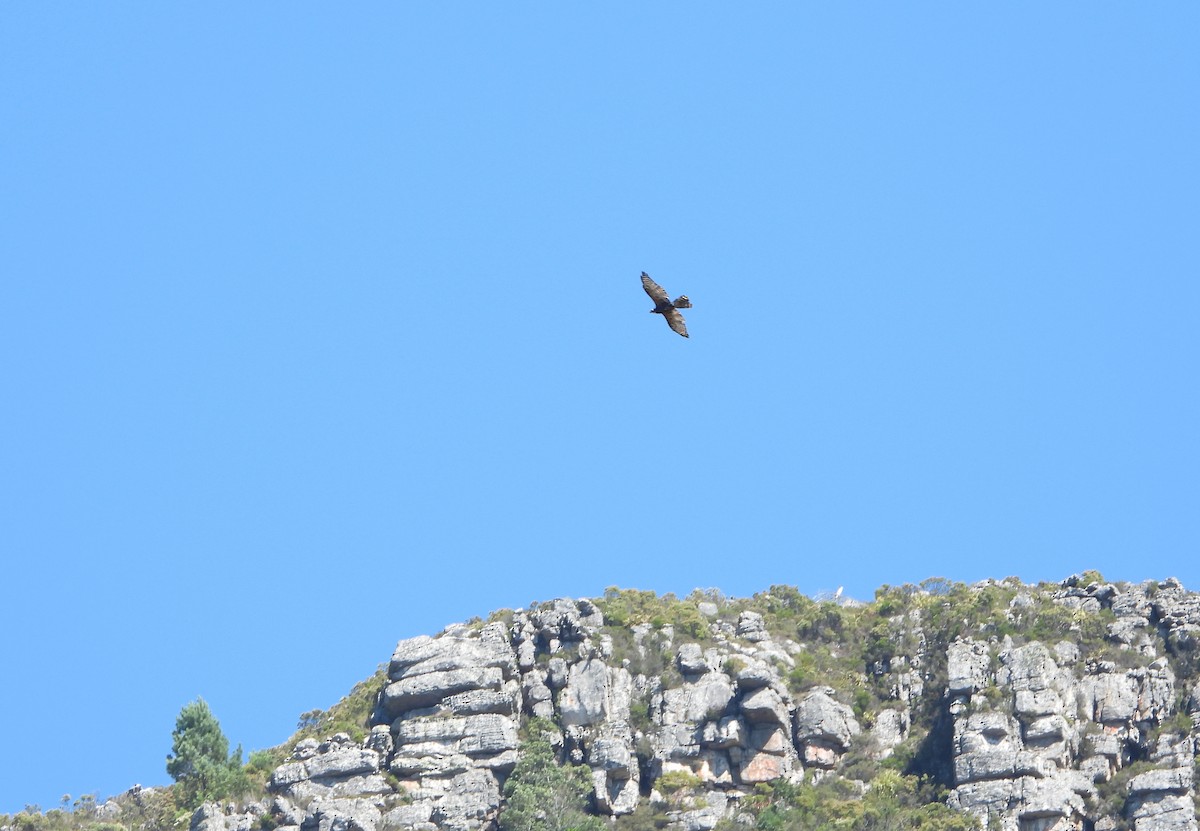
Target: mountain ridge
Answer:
[[1004, 705]]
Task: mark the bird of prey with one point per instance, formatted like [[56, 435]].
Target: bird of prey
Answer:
[[663, 305]]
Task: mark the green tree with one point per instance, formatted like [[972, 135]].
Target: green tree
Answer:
[[200, 760], [542, 795]]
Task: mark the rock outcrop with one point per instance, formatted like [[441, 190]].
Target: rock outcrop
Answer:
[[1040, 735]]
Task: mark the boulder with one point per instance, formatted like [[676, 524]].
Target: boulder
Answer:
[[340, 762], [1157, 811], [690, 659], [343, 815], [822, 720], [979, 765], [769, 754], [422, 655], [1028, 668], [335, 769], [615, 774], [765, 706], [703, 817], [481, 701], [1045, 731], [1155, 687], [755, 674], [1172, 780], [751, 626], [472, 736], [539, 698], [431, 688], [708, 697], [212, 816], [714, 768], [470, 801], [723, 734], [763, 767]]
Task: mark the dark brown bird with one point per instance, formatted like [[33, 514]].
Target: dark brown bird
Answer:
[[665, 306]]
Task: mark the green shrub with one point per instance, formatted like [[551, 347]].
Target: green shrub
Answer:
[[1111, 794], [542, 795], [351, 715], [639, 715], [732, 666], [677, 780], [629, 607], [861, 705], [993, 695], [892, 802], [646, 816], [261, 765], [200, 761]]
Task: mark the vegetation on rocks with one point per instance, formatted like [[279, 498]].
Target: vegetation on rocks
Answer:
[[200, 761], [779, 711], [141, 809], [893, 802], [543, 795], [351, 715], [629, 607]]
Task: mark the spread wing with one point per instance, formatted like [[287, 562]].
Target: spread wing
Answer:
[[675, 321], [660, 297]]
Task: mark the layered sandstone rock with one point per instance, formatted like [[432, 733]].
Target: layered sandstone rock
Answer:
[[1039, 736]]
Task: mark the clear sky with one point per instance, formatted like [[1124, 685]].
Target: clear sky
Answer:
[[321, 327]]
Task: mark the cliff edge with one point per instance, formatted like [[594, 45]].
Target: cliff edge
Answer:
[[1030, 708]]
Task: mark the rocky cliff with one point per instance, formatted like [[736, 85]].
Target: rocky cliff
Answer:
[[1030, 708]]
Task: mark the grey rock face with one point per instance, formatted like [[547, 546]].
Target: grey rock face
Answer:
[[446, 746], [1162, 812], [691, 659], [706, 698], [821, 720], [593, 692], [1020, 803], [343, 815], [751, 627], [968, 663], [453, 703], [614, 774], [426, 671], [1055, 732], [1038, 729], [765, 706], [342, 762], [768, 755], [212, 816], [456, 701], [430, 688], [335, 768], [1110, 698], [716, 805], [1172, 780], [891, 728]]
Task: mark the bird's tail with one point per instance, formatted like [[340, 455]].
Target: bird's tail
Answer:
[[682, 302]]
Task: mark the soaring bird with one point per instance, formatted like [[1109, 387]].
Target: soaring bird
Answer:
[[665, 306]]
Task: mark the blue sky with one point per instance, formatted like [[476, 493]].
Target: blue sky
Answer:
[[320, 327]]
